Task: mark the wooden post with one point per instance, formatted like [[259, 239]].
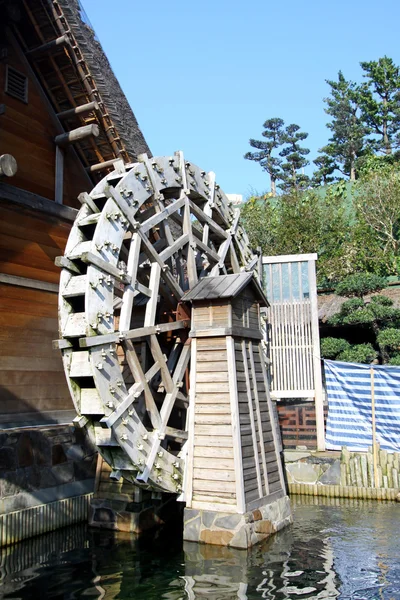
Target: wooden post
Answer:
[[59, 182], [374, 447], [76, 135], [319, 400]]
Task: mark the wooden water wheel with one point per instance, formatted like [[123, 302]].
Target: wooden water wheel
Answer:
[[144, 235]]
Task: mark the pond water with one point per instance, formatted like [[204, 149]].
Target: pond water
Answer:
[[335, 549]]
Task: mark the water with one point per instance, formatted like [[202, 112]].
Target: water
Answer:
[[335, 549]]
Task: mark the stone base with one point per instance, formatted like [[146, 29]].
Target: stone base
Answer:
[[133, 517], [236, 530]]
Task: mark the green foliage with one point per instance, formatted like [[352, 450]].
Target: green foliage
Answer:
[[331, 347], [389, 338], [348, 130], [285, 174], [360, 284], [295, 155], [273, 132], [377, 205], [379, 101], [394, 360], [359, 353]]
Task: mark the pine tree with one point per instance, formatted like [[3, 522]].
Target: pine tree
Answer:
[[273, 132], [348, 130], [326, 168], [379, 98], [292, 176]]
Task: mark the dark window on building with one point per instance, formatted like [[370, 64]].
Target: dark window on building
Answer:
[[16, 84]]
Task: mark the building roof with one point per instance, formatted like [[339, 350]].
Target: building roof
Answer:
[[73, 70], [224, 287]]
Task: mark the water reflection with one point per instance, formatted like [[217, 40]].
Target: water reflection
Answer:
[[335, 549]]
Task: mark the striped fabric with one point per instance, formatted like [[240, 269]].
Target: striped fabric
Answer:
[[349, 406]]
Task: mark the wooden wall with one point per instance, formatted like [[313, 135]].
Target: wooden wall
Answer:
[[213, 463], [297, 422], [31, 373], [27, 131], [260, 468]]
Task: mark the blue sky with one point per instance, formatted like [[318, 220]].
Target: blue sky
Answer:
[[203, 76]]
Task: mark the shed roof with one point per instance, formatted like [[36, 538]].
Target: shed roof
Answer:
[[223, 287]]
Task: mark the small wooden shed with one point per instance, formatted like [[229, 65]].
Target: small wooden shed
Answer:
[[233, 463]]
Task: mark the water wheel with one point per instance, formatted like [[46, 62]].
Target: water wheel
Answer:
[[144, 235]]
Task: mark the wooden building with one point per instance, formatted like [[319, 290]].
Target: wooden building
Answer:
[[64, 121], [234, 464]]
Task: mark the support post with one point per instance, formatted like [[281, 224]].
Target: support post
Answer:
[[59, 182], [374, 446], [319, 398]]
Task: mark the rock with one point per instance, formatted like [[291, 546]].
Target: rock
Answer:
[[219, 538], [191, 529], [207, 518], [257, 515], [228, 521], [397, 497], [240, 539], [263, 527], [303, 472], [332, 474]]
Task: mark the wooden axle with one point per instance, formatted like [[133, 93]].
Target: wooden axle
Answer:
[[8, 165], [49, 46], [83, 109], [76, 135]]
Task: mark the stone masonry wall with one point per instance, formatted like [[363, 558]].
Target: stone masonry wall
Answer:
[[44, 464]]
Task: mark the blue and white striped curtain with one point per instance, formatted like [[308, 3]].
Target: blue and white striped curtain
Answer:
[[350, 406]]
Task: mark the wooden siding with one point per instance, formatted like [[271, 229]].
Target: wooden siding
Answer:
[[29, 243], [245, 312], [211, 314], [31, 373], [27, 132], [260, 467], [213, 462]]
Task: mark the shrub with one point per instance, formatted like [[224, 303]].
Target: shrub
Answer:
[[360, 284], [359, 353], [395, 360], [331, 347], [390, 338]]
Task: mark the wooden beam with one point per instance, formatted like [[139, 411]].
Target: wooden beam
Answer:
[[48, 47], [103, 165], [33, 284], [83, 109], [8, 165], [133, 334], [35, 202], [76, 135]]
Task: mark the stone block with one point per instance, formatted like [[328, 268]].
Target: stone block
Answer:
[[220, 538], [257, 515], [207, 518], [8, 460], [332, 474], [227, 521], [191, 529], [263, 526], [25, 451], [64, 473], [241, 539], [304, 472]]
